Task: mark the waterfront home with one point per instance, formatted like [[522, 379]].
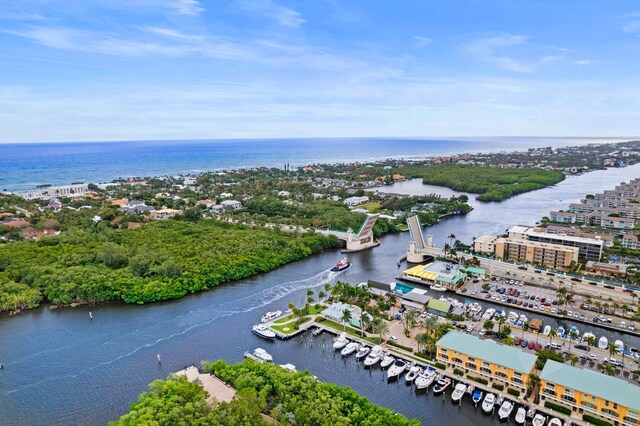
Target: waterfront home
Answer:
[[232, 204], [586, 392], [496, 363], [355, 201], [136, 206]]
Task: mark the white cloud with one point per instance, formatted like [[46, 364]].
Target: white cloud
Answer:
[[491, 51], [422, 41], [284, 16], [187, 7], [583, 62]]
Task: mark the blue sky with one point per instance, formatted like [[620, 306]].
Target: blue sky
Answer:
[[183, 69]]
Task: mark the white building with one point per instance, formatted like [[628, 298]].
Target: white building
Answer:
[[78, 190], [355, 201], [232, 204]]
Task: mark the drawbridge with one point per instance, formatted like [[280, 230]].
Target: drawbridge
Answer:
[[357, 241], [419, 247]]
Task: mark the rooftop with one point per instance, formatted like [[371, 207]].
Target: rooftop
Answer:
[[486, 350], [593, 383], [531, 231]]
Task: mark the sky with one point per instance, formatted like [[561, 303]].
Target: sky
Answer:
[[85, 70]]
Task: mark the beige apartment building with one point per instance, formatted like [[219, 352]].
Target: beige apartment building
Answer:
[[551, 255]]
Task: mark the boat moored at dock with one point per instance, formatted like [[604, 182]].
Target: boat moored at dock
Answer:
[[349, 349], [413, 372], [387, 360], [521, 416], [270, 316], [363, 351], [476, 396], [341, 341], [441, 385], [374, 356], [263, 331], [505, 410], [458, 392], [425, 378], [396, 369], [538, 420], [262, 355], [488, 403]]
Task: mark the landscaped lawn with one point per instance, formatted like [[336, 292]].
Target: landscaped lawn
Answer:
[[315, 309], [286, 328], [372, 207], [350, 331]]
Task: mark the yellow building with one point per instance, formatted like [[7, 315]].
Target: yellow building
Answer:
[[554, 256], [588, 392], [499, 364]]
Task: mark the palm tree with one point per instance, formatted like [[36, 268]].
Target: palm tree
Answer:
[[488, 325], [608, 370], [509, 341], [553, 333], [346, 317], [430, 324], [321, 295], [391, 300], [501, 321], [574, 336], [422, 339], [591, 341], [573, 359], [379, 327], [525, 327], [613, 349], [446, 250]]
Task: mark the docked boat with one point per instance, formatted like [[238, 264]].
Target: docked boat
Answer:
[[387, 360], [340, 341], [573, 331], [475, 308], [603, 343], [441, 385], [425, 378], [263, 331], [488, 314], [342, 265], [270, 316], [413, 372], [619, 345], [560, 331], [349, 349], [363, 351], [513, 317], [555, 422], [438, 287], [488, 403], [374, 356], [262, 355], [539, 419], [587, 336], [505, 410], [289, 367], [547, 330], [522, 319], [476, 396], [521, 416], [396, 369], [316, 331], [458, 392]]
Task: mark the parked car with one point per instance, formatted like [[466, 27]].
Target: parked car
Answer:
[[531, 345], [517, 341], [524, 343]]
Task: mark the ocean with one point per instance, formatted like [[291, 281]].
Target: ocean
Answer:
[[26, 165]]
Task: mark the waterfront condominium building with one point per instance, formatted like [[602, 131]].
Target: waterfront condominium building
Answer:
[[496, 363], [587, 392], [550, 255], [589, 248]]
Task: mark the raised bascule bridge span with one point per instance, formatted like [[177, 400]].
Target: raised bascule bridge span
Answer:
[[419, 247], [357, 241]]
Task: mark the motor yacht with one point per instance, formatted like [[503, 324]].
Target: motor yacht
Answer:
[[340, 341], [603, 343], [560, 331], [413, 372], [396, 369], [363, 351], [539, 419], [586, 336], [505, 410], [488, 403], [263, 331], [270, 316], [475, 308], [574, 331], [476, 396], [349, 349], [438, 287], [547, 330], [555, 422], [316, 331], [425, 378], [458, 392], [387, 360], [488, 314], [374, 356], [262, 355], [619, 345], [522, 318], [521, 416], [513, 317], [441, 385], [289, 367]]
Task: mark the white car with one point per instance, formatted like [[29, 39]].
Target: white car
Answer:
[[592, 356], [394, 338]]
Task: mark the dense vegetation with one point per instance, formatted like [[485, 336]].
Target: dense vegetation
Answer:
[[161, 260], [492, 183], [284, 395]]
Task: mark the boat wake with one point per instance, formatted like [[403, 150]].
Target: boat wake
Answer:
[[238, 306]]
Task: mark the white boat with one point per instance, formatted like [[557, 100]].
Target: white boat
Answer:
[[425, 378], [458, 392], [412, 374], [263, 331], [488, 403], [317, 331], [560, 331], [363, 351], [340, 341], [488, 314], [262, 355], [396, 369], [619, 345], [521, 416], [547, 330], [587, 335], [513, 317], [349, 349], [387, 360], [441, 385], [539, 419], [603, 343], [289, 367], [475, 308], [438, 287], [522, 318], [505, 410], [555, 422], [374, 356], [271, 316]]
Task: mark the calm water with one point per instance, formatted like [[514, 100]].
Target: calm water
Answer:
[[24, 166], [63, 369]]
